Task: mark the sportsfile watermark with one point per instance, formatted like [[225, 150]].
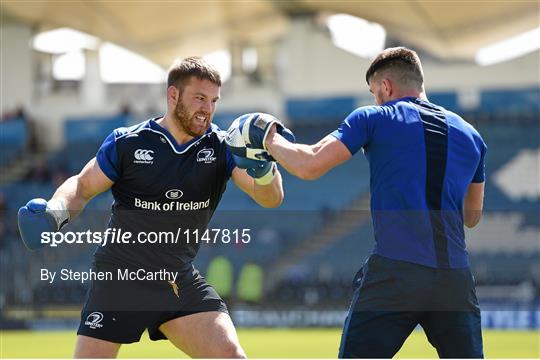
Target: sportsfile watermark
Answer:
[[280, 244], [119, 236]]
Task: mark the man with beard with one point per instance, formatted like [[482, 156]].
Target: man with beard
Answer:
[[166, 174]]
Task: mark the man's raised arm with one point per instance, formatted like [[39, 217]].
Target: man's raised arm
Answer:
[[39, 215]]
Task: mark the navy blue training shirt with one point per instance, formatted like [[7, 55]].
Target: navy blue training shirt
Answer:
[[422, 159], [161, 186]]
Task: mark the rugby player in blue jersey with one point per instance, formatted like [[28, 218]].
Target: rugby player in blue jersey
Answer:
[[165, 173], [427, 182]]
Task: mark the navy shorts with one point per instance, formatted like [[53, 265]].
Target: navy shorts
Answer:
[[121, 310], [392, 297]]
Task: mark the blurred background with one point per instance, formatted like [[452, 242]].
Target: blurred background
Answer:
[[71, 72]]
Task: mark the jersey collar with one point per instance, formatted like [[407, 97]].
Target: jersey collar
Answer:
[[179, 148], [407, 98]]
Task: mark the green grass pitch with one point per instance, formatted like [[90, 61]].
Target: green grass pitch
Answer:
[[263, 343]]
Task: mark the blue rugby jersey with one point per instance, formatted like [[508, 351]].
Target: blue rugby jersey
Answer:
[[422, 159], [161, 186]]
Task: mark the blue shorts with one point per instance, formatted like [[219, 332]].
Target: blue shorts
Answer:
[[392, 297]]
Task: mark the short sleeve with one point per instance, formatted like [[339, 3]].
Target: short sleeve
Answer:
[[107, 158], [357, 129], [231, 164], [480, 174]]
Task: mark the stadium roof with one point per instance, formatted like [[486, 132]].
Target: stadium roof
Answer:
[[164, 30]]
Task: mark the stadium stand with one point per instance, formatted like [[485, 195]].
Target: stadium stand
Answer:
[[13, 140], [308, 209]]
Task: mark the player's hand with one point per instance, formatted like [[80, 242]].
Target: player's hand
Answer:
[[263, 172], [39, 216], [247, 135]]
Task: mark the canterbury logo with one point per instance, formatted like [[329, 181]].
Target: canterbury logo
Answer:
[[143, 156]]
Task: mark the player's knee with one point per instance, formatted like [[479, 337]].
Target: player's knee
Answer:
[[87, 347], [233, 351]]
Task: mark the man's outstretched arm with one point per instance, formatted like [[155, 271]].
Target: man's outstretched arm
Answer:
[[39, 216], [308, 162]]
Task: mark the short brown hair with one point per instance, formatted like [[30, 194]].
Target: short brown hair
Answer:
[[183, 69], [403, 62]]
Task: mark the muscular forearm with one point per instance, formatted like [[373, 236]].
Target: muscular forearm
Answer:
[[72, 196], [297, 159], [271, 195]]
